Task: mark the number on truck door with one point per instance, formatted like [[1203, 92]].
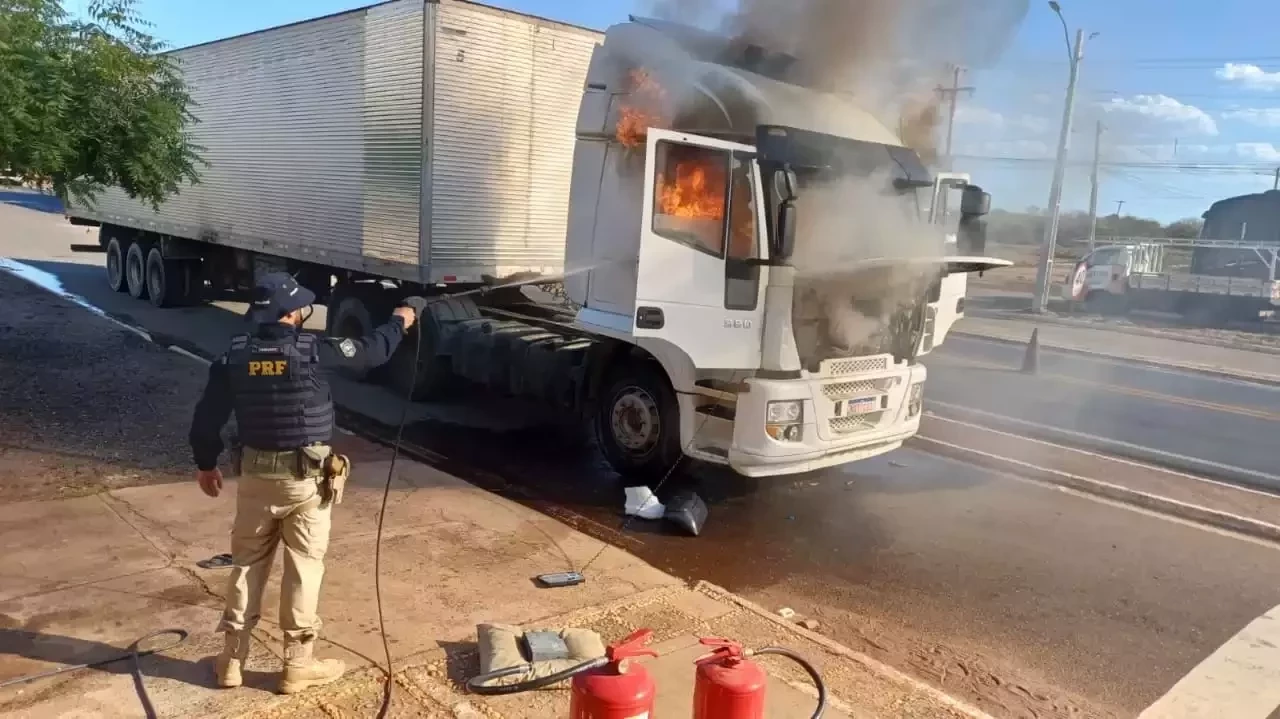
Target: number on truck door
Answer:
[[696, 287]]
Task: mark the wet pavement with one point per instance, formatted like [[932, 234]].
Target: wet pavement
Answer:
[[1024, 599]]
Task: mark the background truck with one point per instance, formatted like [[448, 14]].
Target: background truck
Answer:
[[1209, 282], [605, 221]]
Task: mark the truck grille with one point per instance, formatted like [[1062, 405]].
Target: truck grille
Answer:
[[844, 390], [858, 365], [856, 423]]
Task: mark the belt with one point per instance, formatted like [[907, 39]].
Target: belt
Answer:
[[288, 461]]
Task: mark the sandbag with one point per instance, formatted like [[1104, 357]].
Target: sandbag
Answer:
[[501, 648]]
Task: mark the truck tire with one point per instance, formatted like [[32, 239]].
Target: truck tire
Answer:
[[135, 270], [351, 314], [637, 424], [167, 280], [115, 266]]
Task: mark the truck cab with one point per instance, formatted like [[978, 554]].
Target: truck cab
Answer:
[[772, 251]]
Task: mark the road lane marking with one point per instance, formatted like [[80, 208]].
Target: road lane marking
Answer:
[[1263, 477], [1108, 457], [1240, 680], [1157, 364], [1100, 495], [1121, 389]]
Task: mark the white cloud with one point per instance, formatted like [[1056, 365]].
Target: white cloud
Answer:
[[1007, 148], [1260, 116], [975, 115], [1164, 110], [1248, 75], [1264, 151]]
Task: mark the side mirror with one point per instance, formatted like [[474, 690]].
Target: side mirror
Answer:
[[975, 202], [785, 184], [971, 235], [785, 236]]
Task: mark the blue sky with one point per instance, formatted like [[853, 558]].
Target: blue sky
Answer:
[[1189, 93]]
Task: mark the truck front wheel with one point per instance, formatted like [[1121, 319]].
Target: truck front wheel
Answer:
[[637, 422]]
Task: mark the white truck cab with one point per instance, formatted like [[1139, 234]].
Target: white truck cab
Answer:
[[698, 274]]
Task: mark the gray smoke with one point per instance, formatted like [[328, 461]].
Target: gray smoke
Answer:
[[890, 56]]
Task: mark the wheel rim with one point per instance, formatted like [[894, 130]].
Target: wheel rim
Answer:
[[134, 268], [155, 280], [635, 421], [115, 270]]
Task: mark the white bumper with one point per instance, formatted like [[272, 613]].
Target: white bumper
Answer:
[[826, 439]]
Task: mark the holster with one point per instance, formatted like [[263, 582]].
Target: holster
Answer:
[[336, 468]]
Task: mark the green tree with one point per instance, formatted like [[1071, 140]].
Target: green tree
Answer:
[[87, 103]]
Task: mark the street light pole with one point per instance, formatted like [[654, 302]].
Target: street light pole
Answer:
[[1045, 269], [1093, 192]]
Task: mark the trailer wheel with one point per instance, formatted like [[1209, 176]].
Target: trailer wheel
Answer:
[[135, 270], [115, 266], [167, 280], [637, 424]]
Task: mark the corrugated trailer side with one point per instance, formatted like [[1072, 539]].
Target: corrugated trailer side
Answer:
[[505, 94], [313, 135]]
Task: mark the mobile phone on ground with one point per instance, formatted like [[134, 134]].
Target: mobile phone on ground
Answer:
[[559, 579]]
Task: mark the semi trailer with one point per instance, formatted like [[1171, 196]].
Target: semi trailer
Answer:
[[604, 222]]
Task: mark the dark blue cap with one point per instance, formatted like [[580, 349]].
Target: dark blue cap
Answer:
[[276, 295]]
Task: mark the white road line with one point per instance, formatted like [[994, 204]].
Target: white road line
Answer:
[[1240, 680], [1129, 506], [1263, 476], [1107, 457], [185, 353]]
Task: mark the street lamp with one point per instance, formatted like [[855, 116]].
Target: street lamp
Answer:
[[1044, 270]]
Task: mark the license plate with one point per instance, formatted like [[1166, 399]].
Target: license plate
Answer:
[[862, 405]]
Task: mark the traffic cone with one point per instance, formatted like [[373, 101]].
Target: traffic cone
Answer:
[[1031, 360]]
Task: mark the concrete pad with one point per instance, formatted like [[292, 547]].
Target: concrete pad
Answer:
[[80, 540], [674, 671], [93, 622]]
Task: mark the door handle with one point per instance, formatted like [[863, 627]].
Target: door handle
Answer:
[[650, 318]]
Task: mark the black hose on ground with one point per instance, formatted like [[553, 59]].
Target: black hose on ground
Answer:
[[808, 668], [418, 304], [131, 653], [479, 684]]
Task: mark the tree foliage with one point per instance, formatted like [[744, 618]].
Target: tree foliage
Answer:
[[1020, 228], [86, 103]]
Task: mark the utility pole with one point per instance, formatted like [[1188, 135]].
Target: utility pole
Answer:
[[1119, 205], [1276, 184], [1093, 192], [1044, 272], [952, 93]]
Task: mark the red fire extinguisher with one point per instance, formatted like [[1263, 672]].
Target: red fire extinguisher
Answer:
[[620, 689], [731, 686]]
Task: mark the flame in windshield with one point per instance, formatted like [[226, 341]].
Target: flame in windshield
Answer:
[[696, 191]]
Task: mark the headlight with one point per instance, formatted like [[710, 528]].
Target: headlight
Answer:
[[784, 420], [915, 399], [779, 412]]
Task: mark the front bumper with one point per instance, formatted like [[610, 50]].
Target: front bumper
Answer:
[[828, 438]]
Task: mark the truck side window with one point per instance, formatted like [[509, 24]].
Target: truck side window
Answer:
[[690, 196], [741, 278]]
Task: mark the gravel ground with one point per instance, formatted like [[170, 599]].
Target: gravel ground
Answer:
[[85, 405]]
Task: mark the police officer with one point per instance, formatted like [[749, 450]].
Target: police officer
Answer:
[[274, 381]]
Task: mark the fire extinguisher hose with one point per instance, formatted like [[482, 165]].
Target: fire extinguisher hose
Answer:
[[480, 684], [808, 668]]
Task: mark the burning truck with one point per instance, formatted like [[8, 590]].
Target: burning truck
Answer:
[[746, 269]]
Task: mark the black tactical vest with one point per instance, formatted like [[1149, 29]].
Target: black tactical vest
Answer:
[[281, 401]]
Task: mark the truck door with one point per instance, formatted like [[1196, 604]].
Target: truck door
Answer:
[[948, 306], [696, 284]]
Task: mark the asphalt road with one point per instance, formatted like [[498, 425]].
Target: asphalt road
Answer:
[[1024, 599], [1223, 421]]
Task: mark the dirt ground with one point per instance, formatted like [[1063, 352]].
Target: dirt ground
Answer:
[[85, 405]]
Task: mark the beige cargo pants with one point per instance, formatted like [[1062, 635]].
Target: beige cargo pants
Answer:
[[277, 502]]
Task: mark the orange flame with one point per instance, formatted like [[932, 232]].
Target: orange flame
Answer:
[[696, 192], [642, 112]]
